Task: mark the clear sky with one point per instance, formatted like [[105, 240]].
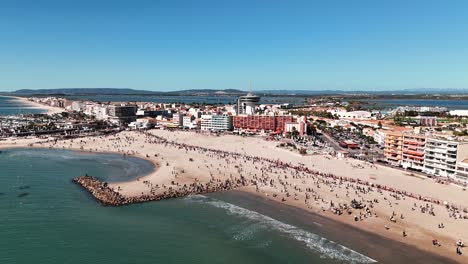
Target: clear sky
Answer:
[[216, 44]]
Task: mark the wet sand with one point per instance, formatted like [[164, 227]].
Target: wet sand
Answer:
[[379, 248]]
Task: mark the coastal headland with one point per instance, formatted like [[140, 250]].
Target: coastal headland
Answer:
[[375, 199]]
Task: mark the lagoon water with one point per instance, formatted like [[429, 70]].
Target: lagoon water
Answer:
[[189, 99], [45, 218], [393, 103]]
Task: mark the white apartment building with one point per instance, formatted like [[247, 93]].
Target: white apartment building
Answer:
[[462, 170], [440, 157], [187, 121], [101, 113], [379, 137], [216, 122]]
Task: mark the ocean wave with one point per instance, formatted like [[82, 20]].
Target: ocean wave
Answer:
[[324, 247]]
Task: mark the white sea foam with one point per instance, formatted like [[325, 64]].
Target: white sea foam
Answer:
[[324, 247]]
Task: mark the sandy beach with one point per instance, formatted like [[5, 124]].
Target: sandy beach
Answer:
[[49, 110], [183, 158]]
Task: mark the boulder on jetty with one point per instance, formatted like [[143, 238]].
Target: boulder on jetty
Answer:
[[100, 190]]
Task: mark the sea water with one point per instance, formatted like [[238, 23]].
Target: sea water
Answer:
[[46, 218], [10, 106]]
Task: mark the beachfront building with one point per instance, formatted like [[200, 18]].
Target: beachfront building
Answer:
[[187, 121], [462, 170], [256, 123], [413, 149], [177, 119], [216, 122], [246, 104], [121, 113], [121, 110], [440, 157], [143, 123], [393, 147]]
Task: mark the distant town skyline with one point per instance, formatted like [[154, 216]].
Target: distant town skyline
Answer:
[[278, 45]]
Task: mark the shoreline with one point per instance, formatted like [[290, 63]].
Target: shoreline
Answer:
[[177, 162], [377, 247], [48, 110]]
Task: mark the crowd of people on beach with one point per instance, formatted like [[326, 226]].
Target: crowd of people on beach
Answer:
[[273, 175]]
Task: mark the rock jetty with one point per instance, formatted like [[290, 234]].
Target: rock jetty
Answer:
[[107, 196]]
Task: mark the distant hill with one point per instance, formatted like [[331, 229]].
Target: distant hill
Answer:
[[123, 91], [82, 91], [209, 91], [235, 92], [417, 91]]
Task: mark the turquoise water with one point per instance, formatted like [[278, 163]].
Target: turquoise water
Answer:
[[45, 218], [9, 106]]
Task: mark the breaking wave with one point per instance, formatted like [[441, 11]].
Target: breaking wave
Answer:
[[324, 247]]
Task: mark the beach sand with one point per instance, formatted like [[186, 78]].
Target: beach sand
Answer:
[[178, 166]]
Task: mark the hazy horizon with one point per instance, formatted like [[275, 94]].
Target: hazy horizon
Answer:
[[179, 45]]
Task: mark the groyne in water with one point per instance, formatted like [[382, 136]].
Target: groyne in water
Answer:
[[107, 196]]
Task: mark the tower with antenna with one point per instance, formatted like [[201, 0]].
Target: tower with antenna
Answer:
[[246, 104]]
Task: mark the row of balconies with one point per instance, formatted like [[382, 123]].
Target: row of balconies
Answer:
[[445, 161], [441, 156], [414, 153], [440, 166], [442, 146], [414, 142]]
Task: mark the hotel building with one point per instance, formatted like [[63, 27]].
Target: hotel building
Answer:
[[216, 122], [261, 122]]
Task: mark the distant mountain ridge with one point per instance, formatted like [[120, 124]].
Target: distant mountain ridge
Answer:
[[418, 91], [74, 91], [123, 91], [221, 92]]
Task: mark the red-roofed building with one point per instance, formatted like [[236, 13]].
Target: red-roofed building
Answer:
[[261, 122]]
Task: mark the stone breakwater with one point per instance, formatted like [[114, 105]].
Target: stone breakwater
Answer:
[[107, 196], [100, 190]]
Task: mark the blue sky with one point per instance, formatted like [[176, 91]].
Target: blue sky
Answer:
[[174, 44]]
